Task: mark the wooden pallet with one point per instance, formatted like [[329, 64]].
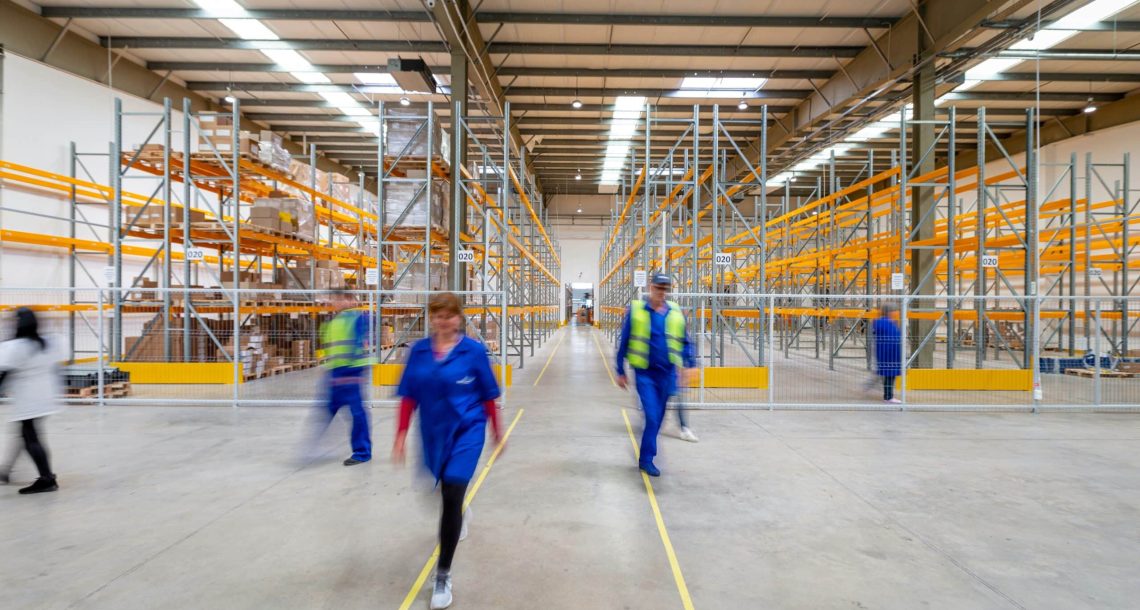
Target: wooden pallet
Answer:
[[110, 390], [1104, 374]]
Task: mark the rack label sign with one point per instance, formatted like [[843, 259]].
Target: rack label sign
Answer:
[[466, 256], [989, 261], [639, 278], [898, 281], [722, 259], [371, 276], [109, 276], [1095, 272], [195, 255]]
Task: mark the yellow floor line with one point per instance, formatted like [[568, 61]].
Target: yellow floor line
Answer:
[[604, 361], [410, 598], [550, 359], [682, 588]]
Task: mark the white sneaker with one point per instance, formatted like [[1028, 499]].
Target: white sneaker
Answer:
[[894, 401], [441, 594], [463, 528], [687, 434]]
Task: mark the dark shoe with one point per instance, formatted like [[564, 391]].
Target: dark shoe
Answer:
[[650, 470], [353, 461], [5, 478], [42, 485]]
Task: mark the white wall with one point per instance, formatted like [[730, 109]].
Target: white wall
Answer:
[[580, 247], [44, 109]]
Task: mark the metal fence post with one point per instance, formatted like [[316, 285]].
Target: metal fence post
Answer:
[[771, 351], [99, 359], [1096, 355], [904, 357]]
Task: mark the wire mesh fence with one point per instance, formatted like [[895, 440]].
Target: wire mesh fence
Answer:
[[872, 352], [225, 347]]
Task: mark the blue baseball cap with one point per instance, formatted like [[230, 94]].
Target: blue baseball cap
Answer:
[[661, 279]]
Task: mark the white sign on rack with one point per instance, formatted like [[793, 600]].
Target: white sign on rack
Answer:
[[722, 259], [195, 255], [898, 281], [109, 276], [639, 278], [371, 276], [466, 256], [1095, 272], [989, 261]]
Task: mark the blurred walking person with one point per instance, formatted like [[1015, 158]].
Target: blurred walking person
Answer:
[[655, 340], [448, 376], [344, 345], [888, 350], [30, 376]]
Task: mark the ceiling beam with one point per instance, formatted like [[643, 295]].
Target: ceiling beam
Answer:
[[567, 92], [1052, 54], [1031, 24], [685, 109], [211, 66], [564, 18], [499, 48]]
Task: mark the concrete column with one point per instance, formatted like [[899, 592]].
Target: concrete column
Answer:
[[921, 218], [456, 276]]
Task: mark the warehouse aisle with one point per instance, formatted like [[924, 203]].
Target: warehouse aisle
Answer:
[[208, 507]]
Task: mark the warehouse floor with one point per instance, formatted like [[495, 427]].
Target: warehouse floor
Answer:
[[183, 507]]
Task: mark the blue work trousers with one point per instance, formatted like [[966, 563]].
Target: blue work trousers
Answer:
[[347, 394], [653, 388]]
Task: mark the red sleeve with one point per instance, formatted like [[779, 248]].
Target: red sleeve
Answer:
[[492, 412], [407, 406]]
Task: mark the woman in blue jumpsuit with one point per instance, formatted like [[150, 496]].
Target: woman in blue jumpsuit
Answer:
[[449, 377]]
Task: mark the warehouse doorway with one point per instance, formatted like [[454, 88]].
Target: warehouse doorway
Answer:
[[581, 304]]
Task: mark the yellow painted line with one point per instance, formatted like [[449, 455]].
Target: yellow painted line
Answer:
[[682, 588], [551, 358], [604, 362], [410, 598]]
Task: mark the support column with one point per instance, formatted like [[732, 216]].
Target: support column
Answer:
[[456, 272], [922, 200]]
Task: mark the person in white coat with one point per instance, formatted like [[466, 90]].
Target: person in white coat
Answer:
[[30, 377]]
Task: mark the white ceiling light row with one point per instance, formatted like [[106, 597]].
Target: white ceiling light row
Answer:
[[235, 18], [627, 112]]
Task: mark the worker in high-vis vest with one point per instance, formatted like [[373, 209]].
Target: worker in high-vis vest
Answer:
[[655, 342], [343, 354]]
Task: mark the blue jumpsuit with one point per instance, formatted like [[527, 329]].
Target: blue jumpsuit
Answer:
[[450, 396], [656, 383], [343, 389]]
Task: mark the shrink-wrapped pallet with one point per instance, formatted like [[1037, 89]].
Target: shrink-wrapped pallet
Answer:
[[412, 197], [406, 135]]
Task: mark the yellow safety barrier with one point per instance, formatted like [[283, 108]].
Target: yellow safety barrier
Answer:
[[753, 377], [178, 372], [982, 380]]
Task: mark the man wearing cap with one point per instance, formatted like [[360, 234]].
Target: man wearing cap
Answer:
[[655, 341]]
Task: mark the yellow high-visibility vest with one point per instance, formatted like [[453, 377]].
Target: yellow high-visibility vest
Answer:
[[639, 332]]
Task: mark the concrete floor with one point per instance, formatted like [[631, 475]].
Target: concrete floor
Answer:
[[209, 507]]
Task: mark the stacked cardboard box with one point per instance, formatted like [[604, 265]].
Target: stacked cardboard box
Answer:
[[410, 196], [288, 215], [271, 151], [326, 275], [154, 214], [416, 280], [409, 136]]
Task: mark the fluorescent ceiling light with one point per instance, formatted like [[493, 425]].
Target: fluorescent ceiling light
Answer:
[[699, 86], [339, 98], [1093, 12], [355, 111], [609, 178], [222, 8], [311, 78], [1060, 31], [249, 29], [376, 78], [629, 102]]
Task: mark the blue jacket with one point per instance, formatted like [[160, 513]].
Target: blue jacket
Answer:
[[658, 347], [449, 394], [888, 347]]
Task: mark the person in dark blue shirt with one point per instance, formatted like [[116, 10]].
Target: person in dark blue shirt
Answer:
[[655, 341], [888, 350]]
